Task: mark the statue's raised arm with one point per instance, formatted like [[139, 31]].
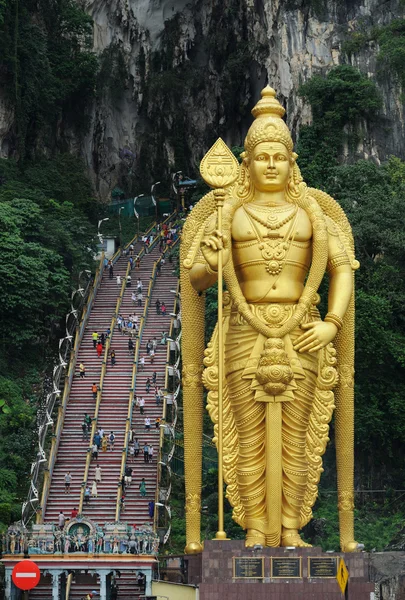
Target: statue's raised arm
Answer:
[[285, 367]]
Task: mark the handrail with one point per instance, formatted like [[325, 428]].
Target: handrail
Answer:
[[66, 391], [68, 585], [100, 388], [131, 393], [135, 364], [161, 432], [134, 374]]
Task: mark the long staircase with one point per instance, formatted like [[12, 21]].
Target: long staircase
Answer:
[[114, 399]]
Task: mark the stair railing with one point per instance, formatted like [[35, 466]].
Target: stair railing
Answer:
[[164, 415], [66, 391], [100, 388], [134, 373]]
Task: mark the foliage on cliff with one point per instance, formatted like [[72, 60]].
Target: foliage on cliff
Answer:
[[47, 70], [45, 240]]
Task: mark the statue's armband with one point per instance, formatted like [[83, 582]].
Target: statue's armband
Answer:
[[337, 255]]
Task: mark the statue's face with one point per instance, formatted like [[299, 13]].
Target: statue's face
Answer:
[[270, 166]]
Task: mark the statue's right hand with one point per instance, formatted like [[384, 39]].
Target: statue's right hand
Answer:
[[210, 247]]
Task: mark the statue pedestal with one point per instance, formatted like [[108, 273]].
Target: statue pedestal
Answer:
[[232, 572]]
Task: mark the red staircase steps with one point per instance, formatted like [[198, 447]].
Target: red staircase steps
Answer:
[[114, 404], [71, 454]]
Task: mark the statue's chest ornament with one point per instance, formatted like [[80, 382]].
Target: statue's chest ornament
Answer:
[[274, 250], [274, 253]]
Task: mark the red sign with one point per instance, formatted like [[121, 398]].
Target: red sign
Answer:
[[26, 575]]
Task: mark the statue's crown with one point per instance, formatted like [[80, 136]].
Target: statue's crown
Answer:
[[268, 125]]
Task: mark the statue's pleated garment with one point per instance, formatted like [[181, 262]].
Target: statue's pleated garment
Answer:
[[250, 420]]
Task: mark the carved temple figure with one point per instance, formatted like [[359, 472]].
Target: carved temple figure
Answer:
[[282, 360]]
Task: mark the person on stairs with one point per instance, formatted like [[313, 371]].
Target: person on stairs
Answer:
[[85, 432], [68, 481], [147, 385], [97, 474], [94, 489], [136, 447], [142, 487], [94, 336], [128, 476], [145, 452], [82, 370], [111, 440], [87, 419], [113, 358], [87, 495], [99, 349]]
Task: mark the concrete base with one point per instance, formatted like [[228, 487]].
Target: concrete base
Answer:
[[218, 581]]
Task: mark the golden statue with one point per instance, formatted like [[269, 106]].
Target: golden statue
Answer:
[[274, 240]]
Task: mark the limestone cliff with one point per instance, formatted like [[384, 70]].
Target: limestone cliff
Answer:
[[176, 74]]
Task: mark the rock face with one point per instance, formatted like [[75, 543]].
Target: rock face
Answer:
[[178, 74]]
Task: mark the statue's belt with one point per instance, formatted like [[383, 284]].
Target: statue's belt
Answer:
[[273, 365]]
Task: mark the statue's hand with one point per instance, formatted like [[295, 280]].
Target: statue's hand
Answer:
[[317, 336], [210, 247]]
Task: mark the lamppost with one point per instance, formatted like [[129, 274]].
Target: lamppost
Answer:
[[119, 224], [175, 181], [136, 215], [152, 192], [100, 237]]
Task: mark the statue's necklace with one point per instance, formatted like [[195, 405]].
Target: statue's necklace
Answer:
[[274, 251], [271, 222]]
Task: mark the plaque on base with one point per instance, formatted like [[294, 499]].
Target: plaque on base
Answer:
[[286, 567], [248, 567], [322, 566]]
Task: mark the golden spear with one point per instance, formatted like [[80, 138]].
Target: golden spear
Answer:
[[219, 169]]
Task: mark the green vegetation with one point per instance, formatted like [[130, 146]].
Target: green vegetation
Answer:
[[392, 49], [46, 238], [391, 43], [47, 70], [339, 102]]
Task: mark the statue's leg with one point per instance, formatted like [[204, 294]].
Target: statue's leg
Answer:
[[250, 424], [295, 466]]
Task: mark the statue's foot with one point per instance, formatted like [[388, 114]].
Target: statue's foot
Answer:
[[291, 537], [254, 537], [351, 546]]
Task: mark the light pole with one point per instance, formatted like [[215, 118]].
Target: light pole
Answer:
[[119, 224], [152, 192], [100, 237], [136, 215], [175, 181]]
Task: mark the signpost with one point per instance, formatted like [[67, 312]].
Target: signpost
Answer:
[[26, 575], [342, 575]]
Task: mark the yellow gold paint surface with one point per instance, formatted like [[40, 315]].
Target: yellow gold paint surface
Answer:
[[277, 239]]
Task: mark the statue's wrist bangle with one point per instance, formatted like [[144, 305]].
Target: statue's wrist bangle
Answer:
[[209, 270], [335, 319]]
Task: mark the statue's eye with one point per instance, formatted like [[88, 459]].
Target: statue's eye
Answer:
[[281, 157], [261, 157]]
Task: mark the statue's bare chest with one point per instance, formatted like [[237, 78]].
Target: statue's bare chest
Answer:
[[252, 223]]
